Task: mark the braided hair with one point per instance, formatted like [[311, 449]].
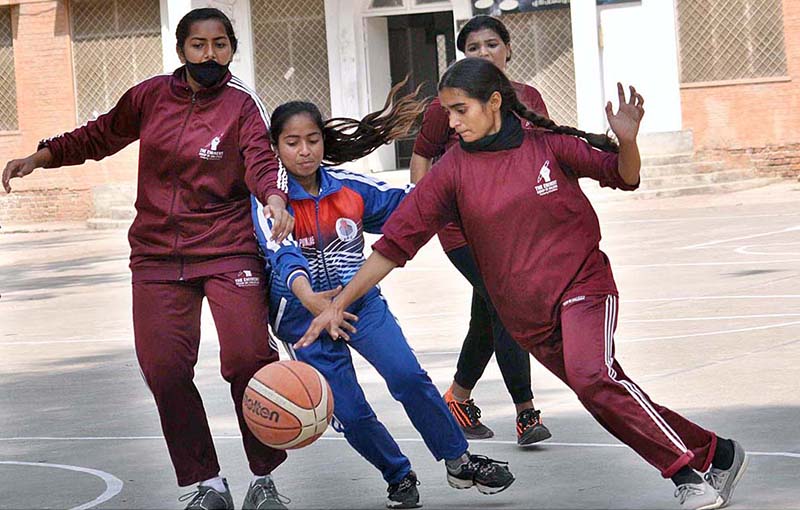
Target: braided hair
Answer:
[[347, 139], [479, 79]]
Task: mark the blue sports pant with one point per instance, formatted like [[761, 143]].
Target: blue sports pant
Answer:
[[381, 342]]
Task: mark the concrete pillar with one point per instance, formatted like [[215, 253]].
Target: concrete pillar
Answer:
[[588, 72]]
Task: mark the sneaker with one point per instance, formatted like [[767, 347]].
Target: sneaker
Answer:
[[490, 476], [262, 495], [698, 496], [404, 494], [208, 498], [468, 417], [530, 428], [725, 480]]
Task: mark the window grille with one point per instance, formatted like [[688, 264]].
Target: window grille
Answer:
[[8, 86]]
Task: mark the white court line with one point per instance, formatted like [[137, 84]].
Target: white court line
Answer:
[[698, 264], [707, 333], [792, 455], [741, 238], [720, 318], [113, 484], [748, 250], [696, 218], [712, 298]]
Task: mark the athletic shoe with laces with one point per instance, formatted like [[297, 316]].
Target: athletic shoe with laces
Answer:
[[468, 417], [208, 498], [725, 480], [697, 496], [488, 475], [530, 428], [404, 494], [262, 495]]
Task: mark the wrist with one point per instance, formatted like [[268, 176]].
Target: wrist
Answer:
[[42, 157]]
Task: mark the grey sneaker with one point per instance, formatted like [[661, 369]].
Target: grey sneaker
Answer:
[[698, 496], [208, 498], [404, 494], [488, 475], [262, 495], [725, 480]]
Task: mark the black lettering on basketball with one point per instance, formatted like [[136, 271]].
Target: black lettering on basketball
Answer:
[[258, 409]]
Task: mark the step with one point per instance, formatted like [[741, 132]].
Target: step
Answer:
[[693, 179], [107, 224], [121, 212], [693, 167], [664, 143], [667, 159], [597, 194]]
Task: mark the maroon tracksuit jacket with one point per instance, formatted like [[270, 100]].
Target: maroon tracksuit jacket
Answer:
[[200, 156], [535, 238], [436, 136]]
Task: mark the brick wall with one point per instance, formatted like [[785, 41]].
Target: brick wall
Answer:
[[756, 121], [46, 106]]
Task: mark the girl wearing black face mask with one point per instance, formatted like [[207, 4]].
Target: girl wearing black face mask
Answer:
[[204, 148]]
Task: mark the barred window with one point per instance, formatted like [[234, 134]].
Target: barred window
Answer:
[[722, 40], [290, 52], [116, 44], [543, 58], [8, 87]]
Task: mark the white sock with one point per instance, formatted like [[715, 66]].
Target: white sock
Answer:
[[215, 483], [260, 477], [454, 464]]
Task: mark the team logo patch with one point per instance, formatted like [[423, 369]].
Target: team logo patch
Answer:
[[346, 229], [247, 279], [210, 152], [544, 184]]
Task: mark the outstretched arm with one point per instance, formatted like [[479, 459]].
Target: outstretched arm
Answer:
[[333, 316]]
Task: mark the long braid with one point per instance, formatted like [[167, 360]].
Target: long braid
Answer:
[[602, 142]]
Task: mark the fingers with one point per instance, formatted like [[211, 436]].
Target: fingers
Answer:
[[332, 293], [10, 171], [310, 335], [609, 110], [348, 327], [337, 332], [350, 317], [620, 93], [282, 224]]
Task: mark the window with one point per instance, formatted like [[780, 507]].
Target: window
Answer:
[[290, 52], [116, 44], [8, 86], [722, 40]]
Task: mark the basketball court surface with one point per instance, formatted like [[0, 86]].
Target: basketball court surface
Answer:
[[709, 326]]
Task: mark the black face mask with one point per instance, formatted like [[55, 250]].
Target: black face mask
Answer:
[[207, 74]]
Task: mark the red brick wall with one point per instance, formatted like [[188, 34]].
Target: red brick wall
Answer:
[[757, 120], [46, 106]]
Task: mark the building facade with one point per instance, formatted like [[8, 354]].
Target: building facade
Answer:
[[726, 70]]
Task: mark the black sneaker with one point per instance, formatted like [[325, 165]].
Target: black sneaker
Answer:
[[488, 475], [208, 498], [404, 494], [468, 417], [530, 428], [262, 495]]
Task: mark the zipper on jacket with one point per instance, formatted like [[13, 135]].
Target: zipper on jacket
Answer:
[[319, 242], [170, 217]]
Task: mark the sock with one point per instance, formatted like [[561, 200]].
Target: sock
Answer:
[[723, 457], [215, 483], [455, 464], [686, 475], [257, 478]]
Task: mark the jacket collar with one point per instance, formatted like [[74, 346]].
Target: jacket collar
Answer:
[[327, 186], [181, 87]]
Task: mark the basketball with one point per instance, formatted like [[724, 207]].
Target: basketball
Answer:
[[287, 404]]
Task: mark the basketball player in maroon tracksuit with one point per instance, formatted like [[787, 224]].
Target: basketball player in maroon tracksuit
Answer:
[[535, 238], [204, 147]]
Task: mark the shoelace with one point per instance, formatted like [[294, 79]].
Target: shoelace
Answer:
[[472, 411], [402, 485], [684, 491], [715, 479], [195, 495], [529, 417], [269, 491], [484, 465]]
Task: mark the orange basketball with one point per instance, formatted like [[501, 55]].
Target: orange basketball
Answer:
[[287, 404]]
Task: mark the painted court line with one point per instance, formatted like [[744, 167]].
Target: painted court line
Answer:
[[791, 455], [740, 238], [113, 484]]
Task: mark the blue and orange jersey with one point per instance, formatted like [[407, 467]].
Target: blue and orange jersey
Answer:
[[327, 245]]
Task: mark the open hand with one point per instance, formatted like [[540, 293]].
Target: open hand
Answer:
[[331, 319], [625, 123]]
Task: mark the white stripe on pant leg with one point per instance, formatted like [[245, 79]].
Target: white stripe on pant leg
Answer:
[[611, 304]]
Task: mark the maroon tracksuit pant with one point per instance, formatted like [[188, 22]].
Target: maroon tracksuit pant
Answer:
[[166, 319], [581, 353]]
